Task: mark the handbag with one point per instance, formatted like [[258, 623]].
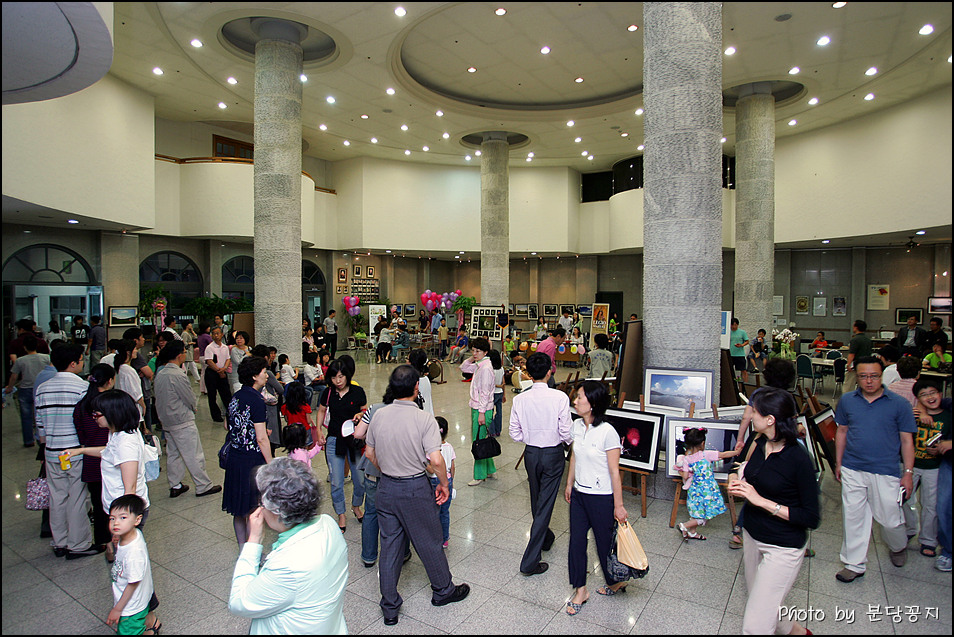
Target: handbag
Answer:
[[485, 448], [626, 546], [150, 455], [38, 495], [224, 450]]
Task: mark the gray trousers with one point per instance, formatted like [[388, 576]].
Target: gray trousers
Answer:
[[407, 511], [69, 504], [545, 473], [184, 451]]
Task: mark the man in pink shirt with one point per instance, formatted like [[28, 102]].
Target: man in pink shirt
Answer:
[[549, 347], [540, 418], [218, 363], [481, 402], [909, 367]]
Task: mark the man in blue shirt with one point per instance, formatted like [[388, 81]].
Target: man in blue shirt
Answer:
[[738, 339], [875, 437]]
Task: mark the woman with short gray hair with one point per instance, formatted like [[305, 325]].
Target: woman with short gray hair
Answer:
[[300, 587]]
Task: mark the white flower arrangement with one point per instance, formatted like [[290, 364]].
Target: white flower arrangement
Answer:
[[786, 336]]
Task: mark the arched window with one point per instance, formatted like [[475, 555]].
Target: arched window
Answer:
[[311, 274], [238, 278], [47, 263], [176, 273]]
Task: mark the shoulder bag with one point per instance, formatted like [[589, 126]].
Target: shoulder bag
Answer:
[[38, 493], [152, 449], [485, 448]]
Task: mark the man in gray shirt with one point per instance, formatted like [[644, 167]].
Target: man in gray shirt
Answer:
[[24, 371], [176, 405], [399, 439], [331, 333]]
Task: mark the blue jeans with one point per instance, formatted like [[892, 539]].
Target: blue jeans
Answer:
[[944, 507], [25, 398], [445, 508], [336, 466], [369, 528], [497, 422]]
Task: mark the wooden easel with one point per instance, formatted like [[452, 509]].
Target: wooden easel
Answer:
[[632, 488]]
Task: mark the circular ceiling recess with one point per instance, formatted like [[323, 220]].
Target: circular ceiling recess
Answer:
[[317, 46], [510, 69], [782, 90], [514, 140]]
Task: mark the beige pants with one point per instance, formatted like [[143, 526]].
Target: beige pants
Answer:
[[69, 503], [184, 451], [865, 496], [770, 572]]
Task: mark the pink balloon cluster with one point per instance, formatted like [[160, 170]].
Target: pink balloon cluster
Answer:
[[431, 300], [351, 305]]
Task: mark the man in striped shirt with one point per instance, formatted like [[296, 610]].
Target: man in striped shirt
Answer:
[[69, 499]]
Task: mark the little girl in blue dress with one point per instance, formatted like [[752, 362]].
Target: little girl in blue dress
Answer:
[[703, 497]]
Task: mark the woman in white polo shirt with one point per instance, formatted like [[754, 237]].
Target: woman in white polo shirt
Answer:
[[593, 490]]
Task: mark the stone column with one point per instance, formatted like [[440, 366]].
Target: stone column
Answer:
[[682, 275], [755, 208], [278, 297], [119, 254], [494, 219]]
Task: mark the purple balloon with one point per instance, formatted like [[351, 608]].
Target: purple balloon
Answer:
[[427, 292], [430, 305]]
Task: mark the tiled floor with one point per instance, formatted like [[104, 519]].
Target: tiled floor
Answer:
[[696, 587]]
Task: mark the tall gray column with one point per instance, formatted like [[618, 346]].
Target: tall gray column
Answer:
[[278, 298], [682, 274], [494, 219], [755, 207]]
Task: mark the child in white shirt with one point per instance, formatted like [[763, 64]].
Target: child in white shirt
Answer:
[[131, 572], [447, 451]]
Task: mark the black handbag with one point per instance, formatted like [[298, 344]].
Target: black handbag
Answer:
[[485, 448], [224, 451]]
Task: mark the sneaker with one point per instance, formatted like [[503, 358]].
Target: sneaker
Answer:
[[846, 575], [446, 542], [943, 564], [898, 558]]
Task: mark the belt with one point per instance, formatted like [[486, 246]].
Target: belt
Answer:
[[419, 475]]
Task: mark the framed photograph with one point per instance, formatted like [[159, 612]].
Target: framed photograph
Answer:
[[640, 433], [807, 441], [819, 306], [370, 271], [521, 309], [123, 316], [410, 309], [725, 326], [720, 436], [802, 305], [356, 271], [677, 387], [879, 297], [550, 310], [839, 306], [342, 275], [939, 305], [669, 412], [902, 313], [817, 426], [727, 414], [585, 310], [568, 308], [510, 308], [532, 311], [778, 305]]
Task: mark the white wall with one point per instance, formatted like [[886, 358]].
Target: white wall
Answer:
[[89, 153]]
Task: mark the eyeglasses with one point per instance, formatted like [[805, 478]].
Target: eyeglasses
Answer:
[[928, 394], [868, 376], [96, 414]]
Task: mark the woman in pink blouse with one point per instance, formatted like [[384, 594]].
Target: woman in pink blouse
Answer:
[[481, 402]]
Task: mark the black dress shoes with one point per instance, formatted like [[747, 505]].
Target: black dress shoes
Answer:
[[541, 568], [94, 549], [462, 591], [212, 491], [390, 621], [177, 491]]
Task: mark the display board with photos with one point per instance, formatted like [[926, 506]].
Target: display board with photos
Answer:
[[720, 436], [483, 322], [366, 289]]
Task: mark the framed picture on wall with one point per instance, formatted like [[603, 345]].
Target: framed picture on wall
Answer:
[[549, 310], [902, 313], [802, 305], [585, 310], [356, 271], [819, 306], [123, 316], [342, 275], [521, 309], [839, 306], [532, 311], [879, 297], [370, 271], [939, 305], [778, 305], [410, 309], [510, 308], [569, 309]]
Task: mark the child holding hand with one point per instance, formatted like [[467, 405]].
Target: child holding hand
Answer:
[[703, 498]]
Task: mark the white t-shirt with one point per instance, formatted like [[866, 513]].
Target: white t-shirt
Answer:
[[123, 447], [108, 359], [447, 452], [424, 389], [311, 373], [890, 374], [288, 374], [498, 380], [128, 381], [592, 474], [131, 566]]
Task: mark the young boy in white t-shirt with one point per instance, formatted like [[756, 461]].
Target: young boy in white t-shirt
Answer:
[[131, 573]]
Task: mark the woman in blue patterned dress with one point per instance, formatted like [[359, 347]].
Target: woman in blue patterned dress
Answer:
[[249, 446], [703, 498]]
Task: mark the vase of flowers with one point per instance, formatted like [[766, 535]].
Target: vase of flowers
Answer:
[[786, 339]]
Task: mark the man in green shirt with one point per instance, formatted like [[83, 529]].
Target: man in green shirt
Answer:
[[738, 339], [860, 345]]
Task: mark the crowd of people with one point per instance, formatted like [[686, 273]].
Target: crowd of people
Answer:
[[96, 425]]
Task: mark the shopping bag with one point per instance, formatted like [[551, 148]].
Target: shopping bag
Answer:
[[629, 549], [151, 452], [38, 494]]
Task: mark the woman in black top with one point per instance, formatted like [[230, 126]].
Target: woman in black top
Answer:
[[346, 403], [778, 482]]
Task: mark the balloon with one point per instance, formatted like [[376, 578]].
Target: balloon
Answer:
[[581, 350], [394, 308], [430, 305], [573, 349], [427, 292], [533, 347], [458, 292], [562, 349], [523, 346]]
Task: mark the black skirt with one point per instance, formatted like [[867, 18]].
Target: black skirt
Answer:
[[239, 494]]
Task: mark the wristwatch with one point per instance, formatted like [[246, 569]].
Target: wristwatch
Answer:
[[909, 470]]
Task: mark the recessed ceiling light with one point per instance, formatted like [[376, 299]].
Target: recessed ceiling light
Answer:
[[197, 43], [872, 71], [330, 99], [823, 41], [578, 80], [813, 101], [390, 91], [446, 135], [545, 50], [439, 113], [640, 147], [425, 148], [639, 111], [472, 70], [730, 50], [624, 134], [322, 127], [346, 142], [529, 158], [578, 140], [530, 154], [74, 221], [461, 252], [501, 11], [927, 29], [468, 158], [232, 80], [388, 251], [869, 97], [27, 232], [303, 77], [374, 140], [723, 140], [407, 152], [223, 105], [826, 241], [838, 5], [456, 256], [477, 153], [570, 123], [403, 126], [921, 232], [533, 254], [364, 116], [400, 12], [585, 153], [590, 158], [792, 122], [157, 71], [794, 70], [632, 28]]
